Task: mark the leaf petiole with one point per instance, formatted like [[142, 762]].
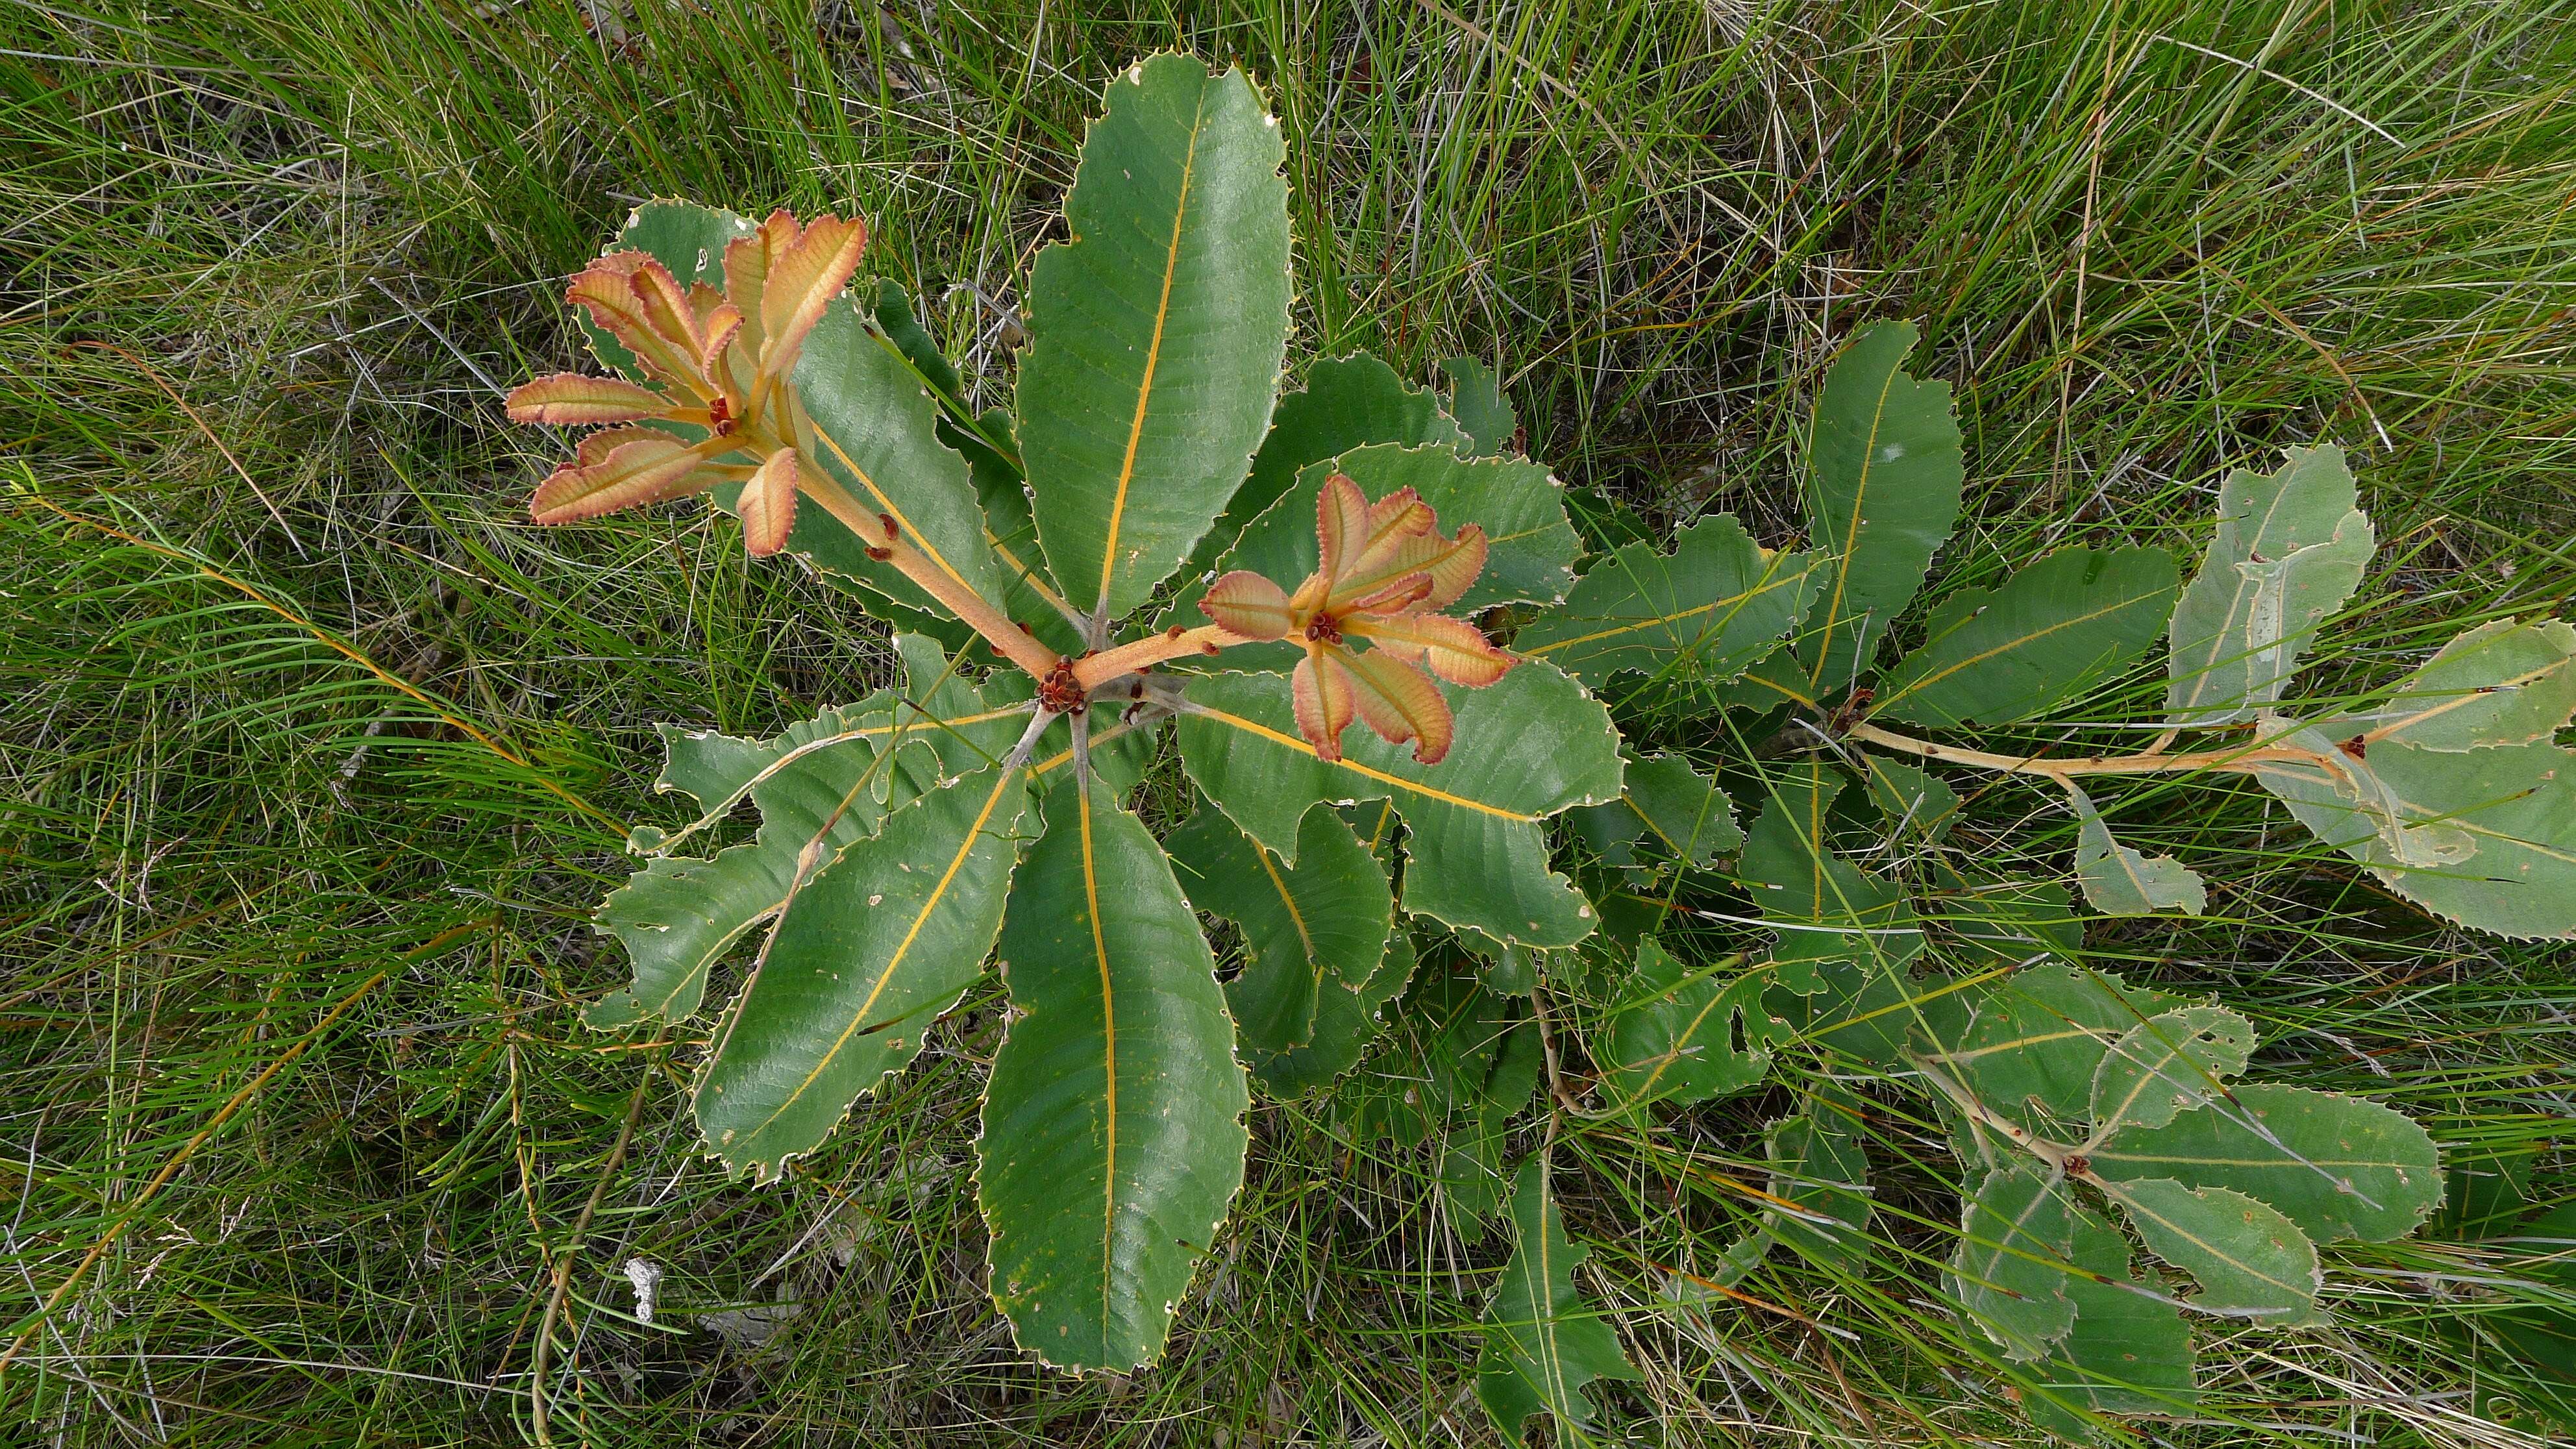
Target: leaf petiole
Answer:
[[2242, 759], [1139, 654]]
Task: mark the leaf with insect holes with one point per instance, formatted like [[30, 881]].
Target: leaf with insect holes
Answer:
[[1113, 1133], [1882, 491], [2290, 549], [1157, 331], [1544, 1346], [1476, 846], [1476, 400], [1712, 608], [2052, 632], [1683, 1035], [2010, 1268], [2171, 1061], [871, 949], [2038, 1039], [2120, 881], [2338, 1167], [1820, 1169], [2128, 1352], [1310, 929], [687, 238], [2247, 1257]]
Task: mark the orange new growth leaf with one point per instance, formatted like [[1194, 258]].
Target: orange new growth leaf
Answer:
[[720, 360], [1384, 570], [768, 505]]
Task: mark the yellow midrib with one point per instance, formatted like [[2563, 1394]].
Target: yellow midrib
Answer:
[[1153, 358], [912, 933], [1851, 534], [1303, 748], [1297, 918], [1738, 600], [1927, 681], [1109, 1059], [912, 535]]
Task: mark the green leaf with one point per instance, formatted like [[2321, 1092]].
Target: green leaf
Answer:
[[1346, 1023], [2052, 632], [2173, 1061], [1310, 929], [1684, 810], [1882, 493], [2485, 837], [2504, 682], [1013, 535], [2129, 1351], [1460, 1062], [1915, 805], [1543, 1346], [1819, 1168], [677, 915], [1441, 1052], [875, 431], [896, 323], [1472, 1180], [1528, 747], [1157, 332], [2010, 1269], [2534, 1334], [2338, 1167], [820, 785], [2038, 1040], [1713, 607], [2120, 881], [1996, 921], [1476, 400], [1347, 402], [687, 238], [1870, 1014], [1823, 905], [1683, 1035], [868, 953], [1113, 1133], [2249, 1260], [2290, 548]]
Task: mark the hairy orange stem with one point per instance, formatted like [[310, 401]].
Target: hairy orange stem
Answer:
[[1136, 654], [971, 608]]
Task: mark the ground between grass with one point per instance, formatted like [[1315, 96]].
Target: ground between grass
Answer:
[[318, 755]]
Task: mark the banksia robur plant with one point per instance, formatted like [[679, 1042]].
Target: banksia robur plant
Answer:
[[1160, 549], [972, 816]]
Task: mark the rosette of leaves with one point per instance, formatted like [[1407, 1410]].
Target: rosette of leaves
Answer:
[[2084, 1106], [1354, 531]]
